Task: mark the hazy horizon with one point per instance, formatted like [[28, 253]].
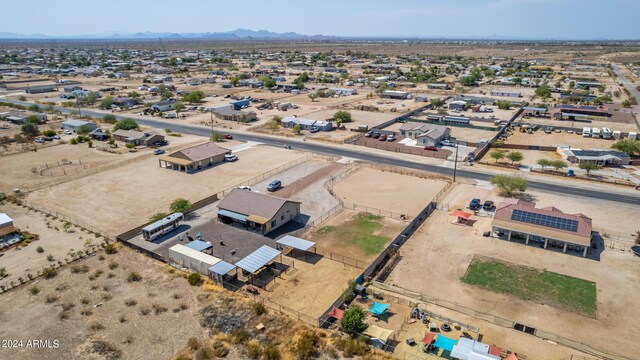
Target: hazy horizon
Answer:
[[517, 19]]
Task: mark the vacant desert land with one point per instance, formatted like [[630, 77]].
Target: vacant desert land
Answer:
[[313, 286], [540, 138], [125, 197], [170, 301], [441, 252], [401, 194]]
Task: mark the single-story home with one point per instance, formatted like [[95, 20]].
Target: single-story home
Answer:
[[344, 91], [422, 98], [254, 210], [164, 105], [520, 221], [75, 125], [147, 138], [601, 157], [20, 116], [458, 105], [98, 134], [124, 102], [425, 134], [38, 89], [231, 114], [475, 99], [306, 124], [393, 94], [195, 157], [506, 93]]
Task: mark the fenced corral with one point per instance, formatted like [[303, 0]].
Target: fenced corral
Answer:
[[46, 271], [413, 297], [58, 215]]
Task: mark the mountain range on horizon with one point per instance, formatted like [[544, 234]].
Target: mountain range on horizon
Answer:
[[246, 34]]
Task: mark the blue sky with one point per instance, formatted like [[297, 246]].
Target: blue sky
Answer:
[[539, 19]]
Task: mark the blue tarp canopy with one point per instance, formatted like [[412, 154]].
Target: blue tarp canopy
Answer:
[[296, 243], [257, 259], [233, 215], [221, 268], [198, 245], [444, 343], [378, 309]]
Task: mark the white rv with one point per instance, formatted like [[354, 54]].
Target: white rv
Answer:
[[595, 132], [617, 134], [633, 136], [586, 132], [606, 133]]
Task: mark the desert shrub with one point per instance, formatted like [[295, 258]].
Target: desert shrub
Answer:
[[76, 269], [219, 349], [134, 277], [259, 308], [194, 279], [193, 343], [305, 347], [144, 311], [131, 303], [39, 249], [110, 248], [50, 258], [34, 290], [96, 326], [85, 301], [253, 351], [122, 319], [67, 306], [240, 336], [51, 299], [157, 309], [205, 353], [113, 265], [355, 347], [271, 352], [63, 315], [107, 350], [49, 273], [86, 312]]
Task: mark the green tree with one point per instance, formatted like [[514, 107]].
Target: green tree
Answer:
[[352, 321], [572, 84], [515, 156], [194, 279], [627, 146], [296, 129], [437, 103], [133, 94], [558, 164], [178, 106], [180, 205], [544, 163], [342, 116], [158, 216], [29, 130], [217, 136], [504, 105], [49, 132], [267, 81], [509, 184], [234, 81], [626, 103], [193, 97], [84, 129], [34, 108], [543, 91], [589, 167], [313, 96], [89, 99], [33, 119], [125, 124], [106, 102], [497, 154], [109, 118], [274, 123]]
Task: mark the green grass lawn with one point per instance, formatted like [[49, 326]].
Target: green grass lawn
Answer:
[[359, 231], [553, 289]]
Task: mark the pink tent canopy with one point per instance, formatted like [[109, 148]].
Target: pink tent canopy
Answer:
[[461, 214], [336, 313], [511, 356]]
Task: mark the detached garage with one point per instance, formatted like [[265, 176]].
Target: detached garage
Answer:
[[75, 125], [180, 255]]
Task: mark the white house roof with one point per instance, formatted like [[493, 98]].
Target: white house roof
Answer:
[[5, 219], [257, 259], [194, 254]]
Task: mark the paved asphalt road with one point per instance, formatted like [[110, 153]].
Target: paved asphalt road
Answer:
[[628, 84], [349, 151]]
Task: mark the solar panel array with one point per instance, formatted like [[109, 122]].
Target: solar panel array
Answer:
[[545, 220]]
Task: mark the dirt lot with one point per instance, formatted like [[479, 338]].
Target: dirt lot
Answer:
[[626, 126], [540, 138], [154, 188], [402, 194], [53, 238], [359, 117], [313, 286], [472, 135], [172, 304], [441, 252]]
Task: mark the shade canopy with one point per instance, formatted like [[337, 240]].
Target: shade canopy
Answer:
[[378, 308], [198, 245], [296, 243], [377, 332], [257, 259], [461, 214], [428, 338], [511, 356], [495, 350], [221, 268], [336, 313], [444, 342], [233, 215]]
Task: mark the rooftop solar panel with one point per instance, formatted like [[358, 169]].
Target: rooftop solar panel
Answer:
[[545, 220]]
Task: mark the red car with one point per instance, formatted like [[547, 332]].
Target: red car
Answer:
[[228, 136], [431, 148], [382, 137]]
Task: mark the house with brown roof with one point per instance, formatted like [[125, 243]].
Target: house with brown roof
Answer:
[[548, 227], [425, 134], [194, 158], [263, 213], [146, 138]]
